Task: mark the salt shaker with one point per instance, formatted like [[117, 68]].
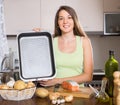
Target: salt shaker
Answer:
[[116, 76], [118, 95]]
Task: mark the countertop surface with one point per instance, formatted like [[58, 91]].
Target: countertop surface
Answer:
[[45, 101]]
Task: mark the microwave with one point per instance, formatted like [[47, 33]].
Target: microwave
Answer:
[[111, 23]]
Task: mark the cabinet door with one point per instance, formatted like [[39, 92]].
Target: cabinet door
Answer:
[[90, 13], [21, 15], [48, 11], [111, 5]]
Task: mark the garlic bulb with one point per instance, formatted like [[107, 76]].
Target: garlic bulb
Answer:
[[11, 82], [69, 98]]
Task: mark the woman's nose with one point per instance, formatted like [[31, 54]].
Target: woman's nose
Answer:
[[65, 20]]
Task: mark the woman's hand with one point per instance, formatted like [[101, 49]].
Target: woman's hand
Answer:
[[50, 82], [36, 29]]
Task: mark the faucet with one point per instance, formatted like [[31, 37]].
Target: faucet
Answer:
[[6, 74], [3, 61]]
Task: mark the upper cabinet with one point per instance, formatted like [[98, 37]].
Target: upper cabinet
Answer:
[[21, 15], [111, 5], [90, 13], [24, 15]]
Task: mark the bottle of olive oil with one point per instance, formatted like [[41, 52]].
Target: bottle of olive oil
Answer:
[[111, 66]]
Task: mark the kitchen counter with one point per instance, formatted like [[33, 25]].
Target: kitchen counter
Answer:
[[46, 101]]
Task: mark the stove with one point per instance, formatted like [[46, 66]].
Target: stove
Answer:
[[98, 74]]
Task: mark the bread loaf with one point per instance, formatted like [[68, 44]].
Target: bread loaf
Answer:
[[19, 85]]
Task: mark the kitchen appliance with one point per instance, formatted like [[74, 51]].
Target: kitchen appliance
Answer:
[[111, 23], [36, 56], [98, 74]]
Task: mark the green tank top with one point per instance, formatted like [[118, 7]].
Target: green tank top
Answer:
[[68, 64]]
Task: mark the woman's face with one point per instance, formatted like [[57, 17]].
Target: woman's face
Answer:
[[65, 22]]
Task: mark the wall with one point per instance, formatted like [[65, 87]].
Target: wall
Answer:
[[101, 46]]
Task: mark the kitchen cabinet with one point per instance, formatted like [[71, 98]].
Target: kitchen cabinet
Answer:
[[24, 15], [48, 11], [21, 15], [111, 5], [90, 13]]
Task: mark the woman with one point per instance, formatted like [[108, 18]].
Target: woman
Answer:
[[72, 48]]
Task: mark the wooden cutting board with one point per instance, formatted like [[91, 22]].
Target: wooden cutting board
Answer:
[[85, 92]]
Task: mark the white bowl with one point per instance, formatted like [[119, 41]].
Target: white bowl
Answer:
[[17, 95]]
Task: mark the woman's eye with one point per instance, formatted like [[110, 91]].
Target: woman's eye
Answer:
[[60, 18], [70, 17]]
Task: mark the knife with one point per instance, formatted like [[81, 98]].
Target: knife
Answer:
[[56, 87]]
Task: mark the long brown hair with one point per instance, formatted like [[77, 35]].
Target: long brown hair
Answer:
[[77, 28]]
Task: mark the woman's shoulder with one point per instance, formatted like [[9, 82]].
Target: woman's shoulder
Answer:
[[86, 41], [55, 38], [85, 38]]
